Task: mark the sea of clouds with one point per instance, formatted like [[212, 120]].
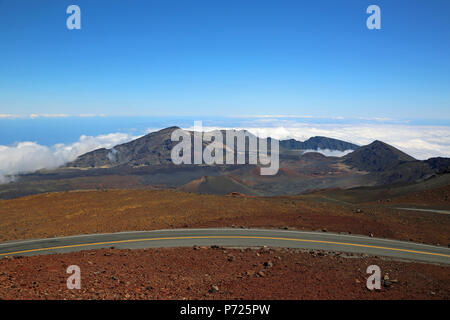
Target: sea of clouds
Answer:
[[422, 142], [419, 141], [24, 157]]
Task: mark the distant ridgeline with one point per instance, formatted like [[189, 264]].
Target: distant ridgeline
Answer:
[[155, 149], [147, 163]]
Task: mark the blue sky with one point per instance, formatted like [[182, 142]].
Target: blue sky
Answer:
[[226, 58]]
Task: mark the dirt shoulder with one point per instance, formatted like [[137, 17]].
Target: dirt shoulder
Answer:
[[84, 212], [218, 273]]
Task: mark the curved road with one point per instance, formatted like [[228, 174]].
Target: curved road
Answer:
[[426, 210], [231, 238]]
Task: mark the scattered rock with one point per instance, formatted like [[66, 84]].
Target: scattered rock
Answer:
[[214, 289], [387, 283], [186, 286]]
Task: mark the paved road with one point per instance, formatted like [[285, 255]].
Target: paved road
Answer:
[[426, 210], [231, 238]]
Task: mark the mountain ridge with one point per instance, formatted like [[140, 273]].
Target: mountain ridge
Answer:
[[376, 156], [155, 148], [146, 163], [318, 142]]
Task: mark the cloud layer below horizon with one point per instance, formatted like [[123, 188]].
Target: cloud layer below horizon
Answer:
[[24, 157], [422, 142]]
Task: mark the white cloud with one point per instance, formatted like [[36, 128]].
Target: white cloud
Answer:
[[330, 153], [47, 115], [276, 116], [8, 116], [28, 156], [90, 115], [421, 142]]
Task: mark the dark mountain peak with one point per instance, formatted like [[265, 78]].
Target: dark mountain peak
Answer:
[[379, 143], [318, 142], [439, 164], [380, 146], [151, 149], [319, 138], [169, 129], [155, 147], [163, 132], [330, 143], [376, 156]]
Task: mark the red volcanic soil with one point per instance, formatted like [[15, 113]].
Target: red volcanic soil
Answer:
[[85, 212], [437, 197], [191, 273]]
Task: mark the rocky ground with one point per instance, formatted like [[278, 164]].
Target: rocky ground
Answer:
[[82, 212], [218, 273]]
